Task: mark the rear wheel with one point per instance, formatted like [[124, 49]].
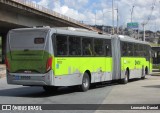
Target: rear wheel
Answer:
[[126, 78], [143, 73], [85, 82], [50, 88], [146, 71]]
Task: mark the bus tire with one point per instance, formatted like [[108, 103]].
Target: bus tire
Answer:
[[50, 88], [85, 82], [143, 73], [146, 71], [126, 78]]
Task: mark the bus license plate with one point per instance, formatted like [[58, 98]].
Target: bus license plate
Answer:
[[16, 77]]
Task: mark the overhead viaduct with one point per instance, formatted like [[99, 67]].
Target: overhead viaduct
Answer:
[[24, 13]]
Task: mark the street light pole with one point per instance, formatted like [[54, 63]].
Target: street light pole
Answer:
[[144, 37], [132, 13], [117, 20], [132, 31], [112, 16]]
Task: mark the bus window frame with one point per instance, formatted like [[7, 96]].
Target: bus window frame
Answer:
[[69, 36], [121, 48], [92, 41], [55, 45]]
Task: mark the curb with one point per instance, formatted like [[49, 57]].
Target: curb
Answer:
[[155, 75]]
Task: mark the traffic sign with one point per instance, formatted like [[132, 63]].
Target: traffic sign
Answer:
[[133, 25]]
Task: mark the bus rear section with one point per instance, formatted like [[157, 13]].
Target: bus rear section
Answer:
[[28, 60]]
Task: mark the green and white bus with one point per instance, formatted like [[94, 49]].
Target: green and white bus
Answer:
[[52, 57]]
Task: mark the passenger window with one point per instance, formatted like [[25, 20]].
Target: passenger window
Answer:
[[136, 49], [98, 47], [87, 46], [108, 48], [141, 51], [130, 49], [148, 49], [61, 45], [74, 45], [144, 50], [124, 49]]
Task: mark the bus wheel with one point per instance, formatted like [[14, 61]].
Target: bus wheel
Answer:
[[85, 82], [143, 73], [50, 88], [146, 71], [126, 78]]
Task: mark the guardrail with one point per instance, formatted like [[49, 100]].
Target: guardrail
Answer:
[[30, 4]]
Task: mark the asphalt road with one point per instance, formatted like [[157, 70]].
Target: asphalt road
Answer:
[[135, 92]]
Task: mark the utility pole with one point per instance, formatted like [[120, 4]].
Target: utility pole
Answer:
[[132, 31], [103, 21], [117, 20], [144, 37], [95, 18], [132, 13], [112, 16]]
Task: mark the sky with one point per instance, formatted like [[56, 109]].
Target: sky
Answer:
[[98, 12]]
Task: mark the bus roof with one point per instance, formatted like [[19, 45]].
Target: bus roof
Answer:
[[81, 32], [130, 39], [84, 33]]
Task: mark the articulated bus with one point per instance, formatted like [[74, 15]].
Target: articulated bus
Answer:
[[53, 57]]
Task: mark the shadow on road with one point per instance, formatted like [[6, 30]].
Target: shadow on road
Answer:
[[32, 92], [136, 79], [37, 92], [152, 86]]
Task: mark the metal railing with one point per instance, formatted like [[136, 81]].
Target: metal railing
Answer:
[[30, 4]]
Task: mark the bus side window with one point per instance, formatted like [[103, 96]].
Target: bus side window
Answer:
[[136, 49], [87, 46], [148, 52], [98, 47], [74, 45], [124, 49], [108, 47], [61, 45], [130, 49], [141, 53], [145, 50]]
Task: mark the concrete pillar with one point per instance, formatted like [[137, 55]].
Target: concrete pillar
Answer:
[[0, 48], [4, 36]]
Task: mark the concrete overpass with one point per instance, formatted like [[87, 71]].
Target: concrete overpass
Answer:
[[23, 13]]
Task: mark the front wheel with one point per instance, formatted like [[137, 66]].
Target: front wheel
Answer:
[[85, 82]]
